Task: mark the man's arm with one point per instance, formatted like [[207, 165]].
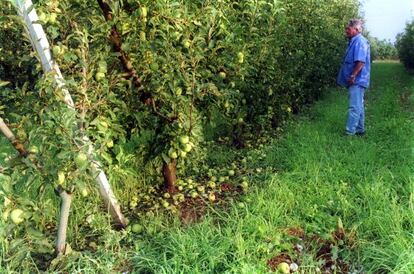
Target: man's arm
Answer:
[[357, 69]]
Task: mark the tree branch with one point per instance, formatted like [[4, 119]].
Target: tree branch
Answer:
[[116, 40], [13, 140]]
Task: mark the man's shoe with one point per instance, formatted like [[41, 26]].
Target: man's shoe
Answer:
[[360, 133]]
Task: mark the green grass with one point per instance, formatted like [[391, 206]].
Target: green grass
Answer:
[[322, 176]]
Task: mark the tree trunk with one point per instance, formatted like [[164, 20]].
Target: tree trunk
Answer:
[[169, 170], [116, 40], [13, 140], [238, 140]]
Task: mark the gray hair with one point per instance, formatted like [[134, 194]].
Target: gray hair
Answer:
[[356, 24]]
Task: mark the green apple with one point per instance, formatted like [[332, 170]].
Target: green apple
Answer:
[[84, 192], [211, 184], [99, 76], [17, 216], [183, 154], [133, 204], [187, 147], [125, 27], [61, 177], [110, 143], [283, 268], [52, 18], [231, 172], [5, 214], [6, 202], [240, 205], [142, 36], [240, 57], [144, 12], [33, 149], [178, 91], [201, 189], [212, 196], [172, 154], [184, 139], [81, 159], [42, 17], [222, 75], [137, 228], [102, 66], [186, 43], [103, 124], [56, 50]]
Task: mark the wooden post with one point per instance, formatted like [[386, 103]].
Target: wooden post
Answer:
[[41, 45]]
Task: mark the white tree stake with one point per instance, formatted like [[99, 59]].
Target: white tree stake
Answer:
[[66, 197], [6, 131], [41, 45]]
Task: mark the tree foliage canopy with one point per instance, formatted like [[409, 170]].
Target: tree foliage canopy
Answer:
[[405, 45]]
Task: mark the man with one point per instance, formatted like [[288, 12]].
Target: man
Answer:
[[354, 75]]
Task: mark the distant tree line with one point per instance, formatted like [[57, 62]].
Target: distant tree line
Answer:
[[382, 49], [405, 45]]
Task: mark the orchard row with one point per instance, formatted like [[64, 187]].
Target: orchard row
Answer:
[[152, 79]]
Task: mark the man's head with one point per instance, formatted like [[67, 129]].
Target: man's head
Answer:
[[353, 28]]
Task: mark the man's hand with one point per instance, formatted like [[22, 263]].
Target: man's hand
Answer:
[[357, 69], [351, 80]]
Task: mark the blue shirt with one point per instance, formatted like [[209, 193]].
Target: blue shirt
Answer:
[[358, 50]]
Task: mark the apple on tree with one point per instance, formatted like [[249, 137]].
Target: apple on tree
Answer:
[[81, 160], [17, 216]]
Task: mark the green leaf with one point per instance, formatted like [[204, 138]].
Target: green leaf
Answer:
[[165, 158], [4, 83]]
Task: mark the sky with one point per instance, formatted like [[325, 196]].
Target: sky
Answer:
[[386, 18]]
